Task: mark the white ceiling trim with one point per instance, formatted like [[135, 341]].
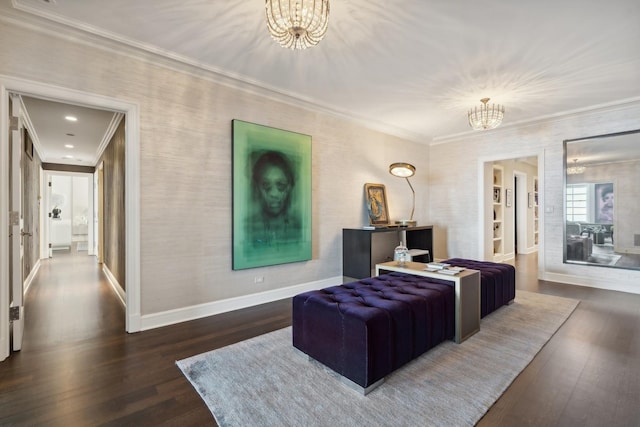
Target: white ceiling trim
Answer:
[[629, 103], [76, 32]]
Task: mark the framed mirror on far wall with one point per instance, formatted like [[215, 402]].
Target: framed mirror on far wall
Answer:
[[602, 200]]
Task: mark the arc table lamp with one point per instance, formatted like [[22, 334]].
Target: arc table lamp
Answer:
[[405, 170]]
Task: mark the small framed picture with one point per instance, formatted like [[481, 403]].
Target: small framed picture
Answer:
[[509, 196], [376, 199]]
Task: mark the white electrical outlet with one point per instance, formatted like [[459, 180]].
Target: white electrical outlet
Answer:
[[258, 279]]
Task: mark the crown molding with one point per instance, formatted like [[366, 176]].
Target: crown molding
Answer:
[[609, 107], [75, 31], [78, 32]]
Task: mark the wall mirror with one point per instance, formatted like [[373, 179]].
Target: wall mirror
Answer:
[[602, 200]]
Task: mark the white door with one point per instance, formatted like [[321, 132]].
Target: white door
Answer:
[[15, 224], [48, 191], [100, 234]]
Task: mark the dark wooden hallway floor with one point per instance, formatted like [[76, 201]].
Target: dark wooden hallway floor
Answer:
[[78, 367]]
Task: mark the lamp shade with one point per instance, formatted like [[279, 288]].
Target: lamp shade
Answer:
[[402, 170], [405, 170]]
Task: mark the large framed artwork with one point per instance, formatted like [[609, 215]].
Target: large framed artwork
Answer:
[[604, 203], [376, 200], [271, 196]]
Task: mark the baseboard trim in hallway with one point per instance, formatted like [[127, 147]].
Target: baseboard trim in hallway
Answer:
[[31, 276], [122, 296]]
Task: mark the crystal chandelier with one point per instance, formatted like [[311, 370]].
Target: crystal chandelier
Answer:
[[485, 117], [575, 169], [297, 24]]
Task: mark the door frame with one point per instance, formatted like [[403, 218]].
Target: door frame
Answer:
[[520, 212], [15, 243], [99, 206], [91, 209], [132, 189], [485, 182]]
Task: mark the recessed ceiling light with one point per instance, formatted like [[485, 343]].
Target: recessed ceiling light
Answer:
[[71, 118], [68, 145], [68, 157]]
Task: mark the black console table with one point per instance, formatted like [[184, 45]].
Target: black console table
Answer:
[[362, 249]]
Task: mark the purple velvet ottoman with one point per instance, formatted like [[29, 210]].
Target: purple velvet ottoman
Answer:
[[497, 282], [365, 330]]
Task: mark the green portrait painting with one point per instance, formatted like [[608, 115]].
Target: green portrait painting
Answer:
[[271, 196]]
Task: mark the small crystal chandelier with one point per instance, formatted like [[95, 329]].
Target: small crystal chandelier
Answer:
[[297, 24], [575, 169], [485, 117]]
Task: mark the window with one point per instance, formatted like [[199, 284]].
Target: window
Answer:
[[577, 202]]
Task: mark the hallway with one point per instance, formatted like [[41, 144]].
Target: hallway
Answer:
[[70, 301], [79, 367]]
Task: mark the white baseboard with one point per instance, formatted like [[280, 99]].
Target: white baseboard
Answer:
[[31, 276], [4, 349], [170, 317], [509, 256], [115, 285], [629, 285], [527, 251], [134, 323]]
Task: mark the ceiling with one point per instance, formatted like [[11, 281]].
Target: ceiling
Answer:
[[67, 142], [411, 68]]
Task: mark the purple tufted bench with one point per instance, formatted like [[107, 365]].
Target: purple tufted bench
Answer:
[[497, 282], [366, 329]]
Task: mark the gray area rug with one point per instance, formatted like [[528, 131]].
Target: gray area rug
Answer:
[[607, 259], [264, 381]]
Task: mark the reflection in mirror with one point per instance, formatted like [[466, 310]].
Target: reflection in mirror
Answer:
[[602, 200]]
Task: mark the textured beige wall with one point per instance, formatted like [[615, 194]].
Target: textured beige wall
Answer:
[[185, 147], [185, 170], [455, 165]]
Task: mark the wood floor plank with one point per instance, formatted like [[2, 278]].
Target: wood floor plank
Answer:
[[78, 366]]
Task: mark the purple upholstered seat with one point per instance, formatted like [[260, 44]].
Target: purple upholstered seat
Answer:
[[497, 282], [365, 330]]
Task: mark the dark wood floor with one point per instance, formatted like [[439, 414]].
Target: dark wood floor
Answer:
[[79, 367]]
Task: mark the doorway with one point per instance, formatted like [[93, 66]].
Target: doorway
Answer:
[[69, 212], [507, 188], [132, 213], [522, 239]]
